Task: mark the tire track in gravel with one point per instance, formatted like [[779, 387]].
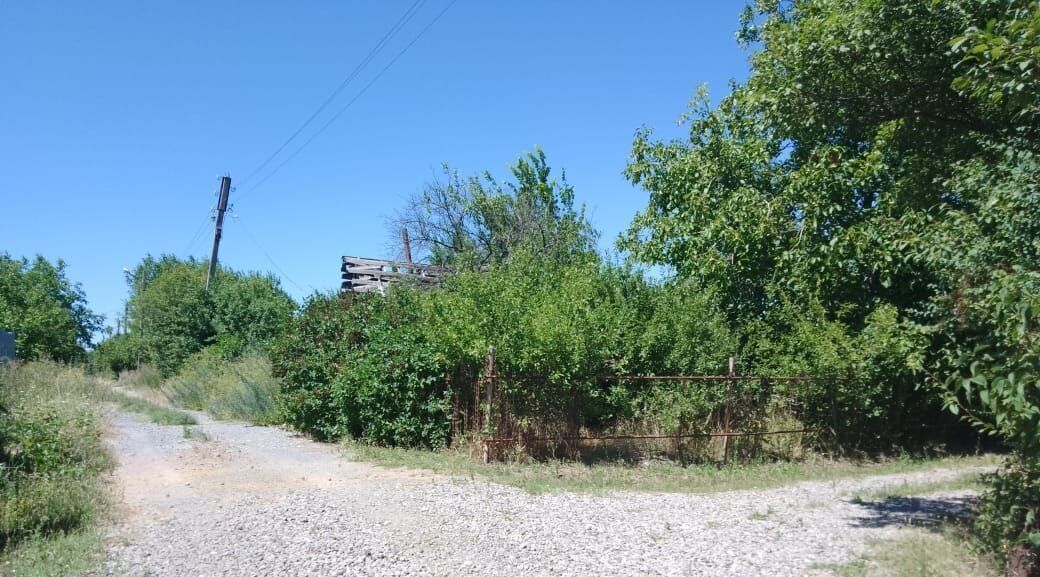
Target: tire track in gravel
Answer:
[[260, 501]]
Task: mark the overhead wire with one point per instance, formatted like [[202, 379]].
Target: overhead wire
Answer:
[[401, 22], [405, 18], [349, 103], [198, 234], [270, 259]]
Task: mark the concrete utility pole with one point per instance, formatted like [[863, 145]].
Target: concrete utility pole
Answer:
[[225, 190]]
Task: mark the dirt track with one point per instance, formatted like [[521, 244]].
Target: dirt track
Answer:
[[261, 501]]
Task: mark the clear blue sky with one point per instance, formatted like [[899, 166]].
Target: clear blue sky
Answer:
[[117, 117]]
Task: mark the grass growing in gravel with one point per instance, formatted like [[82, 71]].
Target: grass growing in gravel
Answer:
[[966, 482], [919, 554], [194, 434], [51, 466], [653, 476], [155, 413]]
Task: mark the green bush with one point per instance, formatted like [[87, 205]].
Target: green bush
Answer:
[[1009, 512], [359, 366], [51, 439], [47, 504]]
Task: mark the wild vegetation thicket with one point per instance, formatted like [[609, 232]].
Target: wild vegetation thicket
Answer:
[[386, 369], [171, 316], [865, 203], [51, 456], [202, 350]]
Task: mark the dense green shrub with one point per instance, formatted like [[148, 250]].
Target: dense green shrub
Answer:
[[359, 366], [174, 314], [384, 368], [1009, 514]]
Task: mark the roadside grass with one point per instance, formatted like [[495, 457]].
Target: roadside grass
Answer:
[[242, 388], [964, 483], [651, 476], [62, 555], [155, 413], [919, 553], [143, 377], [946, 550], [52, 491]]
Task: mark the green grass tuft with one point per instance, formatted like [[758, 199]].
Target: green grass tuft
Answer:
[[155, 413], [967, 482], [194, 434], [61, 555], [919, 554], [650, 476]]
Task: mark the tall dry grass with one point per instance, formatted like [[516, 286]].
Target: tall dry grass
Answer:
[[242, 388], [51, 455]]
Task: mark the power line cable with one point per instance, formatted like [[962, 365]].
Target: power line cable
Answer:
[[401, 22], [198, 233], [352, 100], [270, 259], [202, 227]]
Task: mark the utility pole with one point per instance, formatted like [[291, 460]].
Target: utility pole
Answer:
[[225, 190], [407, 246]]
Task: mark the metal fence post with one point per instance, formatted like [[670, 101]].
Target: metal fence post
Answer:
[[489, 393], [833, 390], [728, 414]]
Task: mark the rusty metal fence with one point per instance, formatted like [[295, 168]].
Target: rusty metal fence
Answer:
[[695, 417]]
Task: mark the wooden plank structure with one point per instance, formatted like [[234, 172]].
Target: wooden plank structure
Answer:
[[375, 275]]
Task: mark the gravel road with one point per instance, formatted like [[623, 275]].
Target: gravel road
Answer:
[[259, 501]]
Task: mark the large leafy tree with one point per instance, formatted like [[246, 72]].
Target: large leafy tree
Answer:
[[799, 179], [173, 316], [881, 156], [47, 312]]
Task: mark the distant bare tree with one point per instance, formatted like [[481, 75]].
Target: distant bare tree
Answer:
[[476, 221]]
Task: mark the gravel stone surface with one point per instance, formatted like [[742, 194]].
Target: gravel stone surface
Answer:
[[258, 501]]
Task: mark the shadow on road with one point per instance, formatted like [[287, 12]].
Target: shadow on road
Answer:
[[934, 514]]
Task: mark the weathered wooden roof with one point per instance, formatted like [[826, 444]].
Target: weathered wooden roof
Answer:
[[370, 274]]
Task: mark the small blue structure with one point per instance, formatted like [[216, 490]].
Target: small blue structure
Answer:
[[6, 347]]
